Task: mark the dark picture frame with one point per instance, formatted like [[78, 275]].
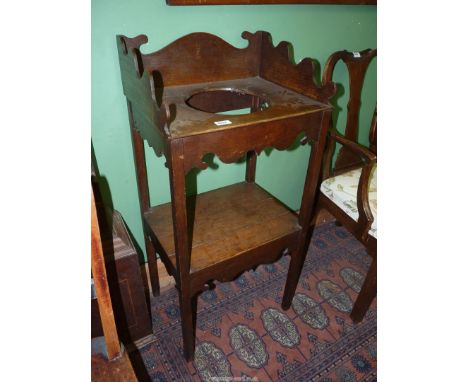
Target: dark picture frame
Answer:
[[248, 2]]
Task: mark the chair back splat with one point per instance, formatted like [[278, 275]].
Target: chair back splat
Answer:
[[357, 64]]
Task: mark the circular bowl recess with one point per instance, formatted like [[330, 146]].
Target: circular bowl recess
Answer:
[[227, 101]]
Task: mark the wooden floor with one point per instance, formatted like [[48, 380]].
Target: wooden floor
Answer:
[[102, 370], [115, 371]]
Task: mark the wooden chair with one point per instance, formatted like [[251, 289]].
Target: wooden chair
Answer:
[[349, 189]]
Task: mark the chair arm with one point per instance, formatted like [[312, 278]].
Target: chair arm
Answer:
[[367, 155], [366, 218]]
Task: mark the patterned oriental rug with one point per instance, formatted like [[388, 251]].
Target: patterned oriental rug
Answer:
[[244, 335]]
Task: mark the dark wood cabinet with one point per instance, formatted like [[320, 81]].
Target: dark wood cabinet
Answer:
[[131, 310]]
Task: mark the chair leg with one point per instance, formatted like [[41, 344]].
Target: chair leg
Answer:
[[294, 273], [188, 312], [152, 266], [295, 266], [367, 293]]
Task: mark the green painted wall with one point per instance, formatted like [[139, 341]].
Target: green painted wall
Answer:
[[314, 30]]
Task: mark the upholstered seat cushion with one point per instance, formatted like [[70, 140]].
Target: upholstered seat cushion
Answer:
[[342, 190]]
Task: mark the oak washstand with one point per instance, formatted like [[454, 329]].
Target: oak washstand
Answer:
[[174, 98]]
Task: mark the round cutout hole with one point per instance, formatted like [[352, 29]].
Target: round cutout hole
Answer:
[[227, 102]]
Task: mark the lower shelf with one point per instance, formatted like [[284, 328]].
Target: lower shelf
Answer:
[[225, 223]]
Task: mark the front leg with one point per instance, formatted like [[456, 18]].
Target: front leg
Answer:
[[306, 213], [179, 220], [367, 293], [294, 272]]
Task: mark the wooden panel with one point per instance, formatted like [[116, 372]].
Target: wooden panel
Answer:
[[225, 223], [130, 307], [146, 112], [126, 288], [102, 288], [231, 268], [277, 66], [282, 103], [202, 57], [231, 144]]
